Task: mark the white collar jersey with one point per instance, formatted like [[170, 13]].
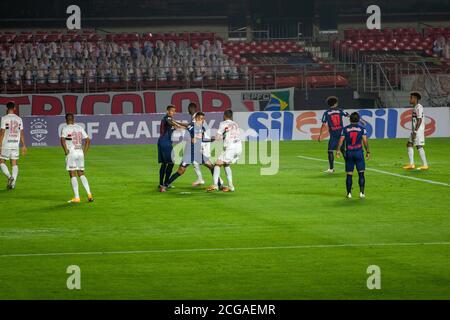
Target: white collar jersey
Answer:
[[230, 133], [13, 125]]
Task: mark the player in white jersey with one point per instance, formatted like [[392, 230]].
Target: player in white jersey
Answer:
[[417, 138], [232, 149], [72, 136], [11, 136]]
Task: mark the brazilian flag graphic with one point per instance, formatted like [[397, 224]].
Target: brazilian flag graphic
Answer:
[[279, 101]]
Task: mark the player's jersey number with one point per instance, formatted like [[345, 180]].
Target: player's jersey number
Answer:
[[353, 137], [336, 120], [77, 138], [14, 128]]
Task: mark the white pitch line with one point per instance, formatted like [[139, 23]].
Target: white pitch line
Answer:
[[316, 246], [385, 172]]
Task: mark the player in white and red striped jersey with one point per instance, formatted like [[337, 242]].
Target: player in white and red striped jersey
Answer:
[[232, 149], [11, 136], [72, 136]]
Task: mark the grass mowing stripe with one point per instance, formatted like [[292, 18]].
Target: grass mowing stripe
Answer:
[[313, 246], [384, 172]]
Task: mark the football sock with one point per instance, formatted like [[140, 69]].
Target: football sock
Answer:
[[168, 173], [361, 181], [423, 156], [331, 159], [5, 170], [74, 182], [216, 175], [15, 172], [162, 171], [411, 155], [198, 172], [173, 178], [85, 183], [343, 152], [220, 181], [349, 183], [229, 175]]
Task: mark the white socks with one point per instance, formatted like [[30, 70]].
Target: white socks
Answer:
[[198, 172], [15, 172], [85, 183], [422, 156], [229, 176], [5, 170], [411, 155], [216, 175], [74, 182]]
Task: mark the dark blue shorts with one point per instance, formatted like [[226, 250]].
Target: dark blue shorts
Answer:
[[355, 159], [165, 152], [333, 142]]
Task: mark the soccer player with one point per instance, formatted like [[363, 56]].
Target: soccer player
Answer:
[[167, 126], [192, 109], [333, 117], [11, 136], [72, 136], [417, 137], [355, 137], [193, 152], [232, 149]]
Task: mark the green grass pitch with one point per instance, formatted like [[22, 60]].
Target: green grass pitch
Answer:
[[276, 237]]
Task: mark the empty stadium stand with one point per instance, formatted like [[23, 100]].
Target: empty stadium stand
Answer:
[[51, 61]]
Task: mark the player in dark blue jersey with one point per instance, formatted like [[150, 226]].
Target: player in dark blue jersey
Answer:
[[355, 138], [333, 118], [192, 110], [193, 152], [167, 126]]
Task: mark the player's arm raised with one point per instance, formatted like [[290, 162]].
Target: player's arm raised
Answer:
[[364, 123], [338, 151], [178, 125], [366, 146], [22, 141]]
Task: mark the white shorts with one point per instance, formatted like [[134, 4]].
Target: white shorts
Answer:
[[206, 149], [9, 154], [75, 160], [420, 139], [231, 154]]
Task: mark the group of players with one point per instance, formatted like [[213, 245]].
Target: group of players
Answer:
[[348, 141], [72, 136], [197, 150]]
